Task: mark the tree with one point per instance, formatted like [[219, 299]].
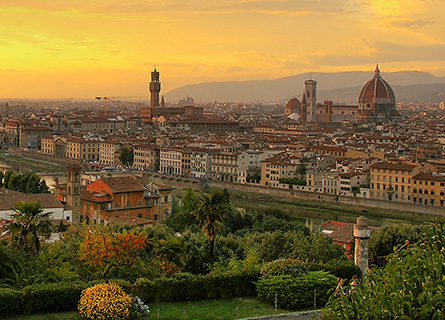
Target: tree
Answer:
[[24, 182], [211, 209], [301, 170], [101, 248], [410, 286], [126, 156], [168, 252], [28, 225], [181, 219], [387, 238]]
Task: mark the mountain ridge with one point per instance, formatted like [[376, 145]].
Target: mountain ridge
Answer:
[[278, 90]]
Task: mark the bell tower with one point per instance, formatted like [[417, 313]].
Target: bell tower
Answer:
[[154, 88], [73, 191], [310, 91]]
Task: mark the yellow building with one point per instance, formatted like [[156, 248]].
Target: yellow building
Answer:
[[276, 168], [392, 181], [146, 157], [428, 189], [82, 149]]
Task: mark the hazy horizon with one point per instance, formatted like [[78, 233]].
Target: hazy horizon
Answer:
[[54, 50]]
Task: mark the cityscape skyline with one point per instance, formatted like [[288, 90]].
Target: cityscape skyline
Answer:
[[82, 50]]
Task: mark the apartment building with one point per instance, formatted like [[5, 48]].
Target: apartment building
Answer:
[[109, 152], [121, 199], [146, 157], [201, 162], [170, 161], [276, 168], [429, 189], [82, 149], [392, 181], [225, 164]]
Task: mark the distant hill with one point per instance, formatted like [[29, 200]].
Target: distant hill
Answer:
[[433, 93], [341, 87]]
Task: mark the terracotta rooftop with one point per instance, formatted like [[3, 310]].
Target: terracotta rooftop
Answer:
[[8, 198], [122, 184], [394, 166]]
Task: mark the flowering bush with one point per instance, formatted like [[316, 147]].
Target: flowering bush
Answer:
[[138, 308], [281, 267], [105, 301]]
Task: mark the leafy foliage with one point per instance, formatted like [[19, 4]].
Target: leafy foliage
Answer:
[[296, 292], [341, 268], [110, 249], [410, 286], [11, 302], [210, 212], [280, 267], [105, 301], [126, 156], [28, 224], [24, 182], [387, 238], [298, 182]]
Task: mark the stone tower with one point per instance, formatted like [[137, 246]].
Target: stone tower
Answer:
[[328, 111], [73, 190], [303, 112], [310, 91], [154, 88], [362, 233]]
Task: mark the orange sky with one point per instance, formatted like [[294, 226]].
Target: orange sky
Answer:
[[84, 48]]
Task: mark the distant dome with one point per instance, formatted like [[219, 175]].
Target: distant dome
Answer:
[[377, 101], [293, 105], [377, 89]]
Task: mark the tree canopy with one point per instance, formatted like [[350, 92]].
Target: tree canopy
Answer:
[[28, 224], [23, 182]]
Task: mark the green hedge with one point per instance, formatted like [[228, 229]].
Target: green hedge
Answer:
[[344, 269], [10, 302], [64, 296], [296, 292], [187, 287], [52, 297]]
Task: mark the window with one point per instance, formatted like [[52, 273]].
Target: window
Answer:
[[156, 217], [166, 198], [139, 215], [139, 202], [128, 203], [117, 204]]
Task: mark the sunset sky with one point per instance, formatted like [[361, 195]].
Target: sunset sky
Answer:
[[84, 48]]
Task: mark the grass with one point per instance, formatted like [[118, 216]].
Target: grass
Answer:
[[222, 309]]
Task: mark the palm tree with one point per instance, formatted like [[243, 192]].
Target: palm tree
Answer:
[[169, 254], [28, 225], [211, 209]]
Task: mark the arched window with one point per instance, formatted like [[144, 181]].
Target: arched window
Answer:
[[139, 215]]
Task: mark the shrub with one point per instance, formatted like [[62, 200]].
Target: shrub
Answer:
[[281, 267], [105, 301], [296, 292], [10, 302], [54, 297], [344, 269], [187, 287]]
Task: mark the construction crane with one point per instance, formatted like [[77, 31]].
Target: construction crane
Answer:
[[117, 97]]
